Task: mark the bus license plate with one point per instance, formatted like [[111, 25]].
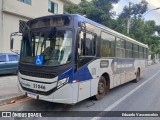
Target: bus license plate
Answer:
[[32, 95]]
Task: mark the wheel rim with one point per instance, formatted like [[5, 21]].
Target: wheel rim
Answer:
[[101, 88]]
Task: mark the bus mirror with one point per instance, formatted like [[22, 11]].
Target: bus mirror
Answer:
[[15, 36], [11, 44]]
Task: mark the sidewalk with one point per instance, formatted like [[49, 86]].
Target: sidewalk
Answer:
[[8, 87]]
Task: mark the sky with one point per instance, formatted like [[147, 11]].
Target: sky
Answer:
[[152, 4]]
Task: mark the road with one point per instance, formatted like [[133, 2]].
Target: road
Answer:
[[141, 96]]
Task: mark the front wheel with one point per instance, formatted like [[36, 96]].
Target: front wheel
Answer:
[[101, 88]]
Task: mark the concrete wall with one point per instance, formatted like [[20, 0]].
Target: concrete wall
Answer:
[[36, 9], [10, 25], [1, 25]]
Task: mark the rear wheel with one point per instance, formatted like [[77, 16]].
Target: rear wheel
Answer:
[[101, 88], [137, 76]]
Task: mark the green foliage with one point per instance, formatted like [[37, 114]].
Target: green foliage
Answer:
[[101, 11], [134, 10], [143, 31], [97, 10]]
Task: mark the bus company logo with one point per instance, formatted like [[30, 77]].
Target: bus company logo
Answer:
[[21, 115], [6, 114]]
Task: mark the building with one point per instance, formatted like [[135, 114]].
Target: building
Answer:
[[14, 11]]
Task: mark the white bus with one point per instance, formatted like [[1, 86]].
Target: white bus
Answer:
[[68, 58]]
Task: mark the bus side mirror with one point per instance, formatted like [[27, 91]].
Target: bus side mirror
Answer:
[[13, 36], [11, 43]]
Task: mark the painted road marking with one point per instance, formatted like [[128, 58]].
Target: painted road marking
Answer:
[[123, 98]]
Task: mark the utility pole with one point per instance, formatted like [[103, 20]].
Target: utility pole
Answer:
[[128, 19]]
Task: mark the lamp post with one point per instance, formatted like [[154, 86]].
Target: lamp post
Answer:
[[150, 11], [128, 21]]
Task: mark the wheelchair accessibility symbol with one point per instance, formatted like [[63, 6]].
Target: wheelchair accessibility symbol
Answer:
[[39, 60]]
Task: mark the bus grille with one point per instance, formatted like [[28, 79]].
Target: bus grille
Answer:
[[35, 74]]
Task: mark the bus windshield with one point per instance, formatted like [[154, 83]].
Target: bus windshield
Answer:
[[56, 48]]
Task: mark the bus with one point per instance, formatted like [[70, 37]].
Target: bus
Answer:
[[67, 58]]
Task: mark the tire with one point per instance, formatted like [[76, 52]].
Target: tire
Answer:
[[137, 76], [101, 88]]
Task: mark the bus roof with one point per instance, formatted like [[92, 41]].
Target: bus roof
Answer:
[[110, 30], [98, 25]]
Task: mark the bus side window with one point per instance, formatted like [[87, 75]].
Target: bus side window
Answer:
[[107, 45], [120, 48], [86, 45]]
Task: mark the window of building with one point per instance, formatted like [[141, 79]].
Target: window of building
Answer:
[[2, 58], [22, 25], [52, 7], [129, 47], [107, 45], [120, 48], [26, 1]]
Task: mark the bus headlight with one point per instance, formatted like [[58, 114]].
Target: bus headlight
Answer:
[[62, 82]]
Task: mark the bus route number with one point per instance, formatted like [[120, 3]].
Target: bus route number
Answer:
[[39, 86]]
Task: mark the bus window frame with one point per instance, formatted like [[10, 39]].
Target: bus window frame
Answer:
[[124, 48], [94, 40], [108, 40]]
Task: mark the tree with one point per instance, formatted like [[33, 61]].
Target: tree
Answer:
[[143, 31], [134, 10], [82, 8], [97, 10]]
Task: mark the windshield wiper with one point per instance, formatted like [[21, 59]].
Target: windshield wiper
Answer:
[[49, 35], [53, 30]]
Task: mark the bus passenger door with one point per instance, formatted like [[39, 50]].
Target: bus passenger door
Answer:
[[86, 51]]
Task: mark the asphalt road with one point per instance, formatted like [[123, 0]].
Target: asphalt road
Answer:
[[141, 96]]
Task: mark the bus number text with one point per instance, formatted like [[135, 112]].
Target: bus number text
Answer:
[[39, 86]]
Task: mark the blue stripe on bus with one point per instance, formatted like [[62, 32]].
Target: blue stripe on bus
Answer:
[[66, 74], [83, 74]]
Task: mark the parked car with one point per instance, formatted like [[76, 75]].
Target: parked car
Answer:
[[8, 63]]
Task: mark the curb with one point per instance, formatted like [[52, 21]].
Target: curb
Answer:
[[11, 99]]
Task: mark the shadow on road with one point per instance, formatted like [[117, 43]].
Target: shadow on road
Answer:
[[7, 75]]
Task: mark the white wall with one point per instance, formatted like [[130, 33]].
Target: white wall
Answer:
[[0, 25], [36, 9], [10, 25]]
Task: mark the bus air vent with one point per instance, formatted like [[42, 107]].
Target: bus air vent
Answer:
[[35, 74]]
